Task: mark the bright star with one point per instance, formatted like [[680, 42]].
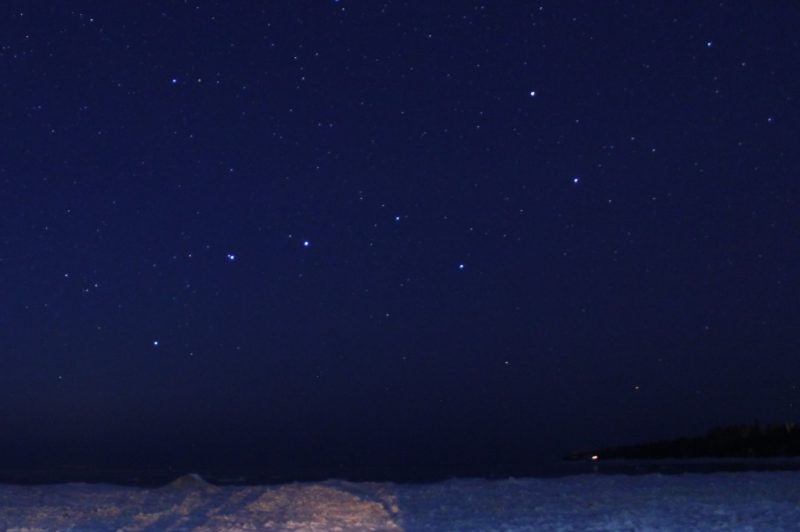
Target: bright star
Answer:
[[306, 243], [155, 343], [576, 179], [231, 257]]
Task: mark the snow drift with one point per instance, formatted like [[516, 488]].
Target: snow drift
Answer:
[[720, 501]]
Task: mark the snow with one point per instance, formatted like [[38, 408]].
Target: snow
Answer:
[[719, 501]]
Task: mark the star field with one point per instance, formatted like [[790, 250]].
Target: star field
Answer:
[[393, 232]]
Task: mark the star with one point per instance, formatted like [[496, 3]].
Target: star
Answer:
[[231, 257], [155, 343], [306, 243]]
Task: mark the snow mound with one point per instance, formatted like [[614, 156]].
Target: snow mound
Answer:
[[191, 481], [689, 502]]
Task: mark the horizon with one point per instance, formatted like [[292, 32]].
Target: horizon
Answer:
[[156, 471]]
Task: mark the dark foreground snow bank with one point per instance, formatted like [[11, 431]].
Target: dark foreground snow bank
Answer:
[[722, 501]]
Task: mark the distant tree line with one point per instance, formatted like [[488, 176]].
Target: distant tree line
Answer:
[[752, 441]]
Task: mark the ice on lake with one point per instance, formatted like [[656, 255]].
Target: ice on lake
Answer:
[[719, 501]]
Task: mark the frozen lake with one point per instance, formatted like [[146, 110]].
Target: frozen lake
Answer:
[[719, 501]]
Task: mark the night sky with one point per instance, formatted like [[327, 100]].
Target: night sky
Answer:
[[335, 233]]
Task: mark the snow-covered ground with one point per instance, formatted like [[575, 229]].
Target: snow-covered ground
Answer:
[[720, 501]]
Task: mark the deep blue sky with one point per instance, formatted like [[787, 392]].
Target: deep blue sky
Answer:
[[394, 232]]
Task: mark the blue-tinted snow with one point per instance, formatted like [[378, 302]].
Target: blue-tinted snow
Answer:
[[721, 501]]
